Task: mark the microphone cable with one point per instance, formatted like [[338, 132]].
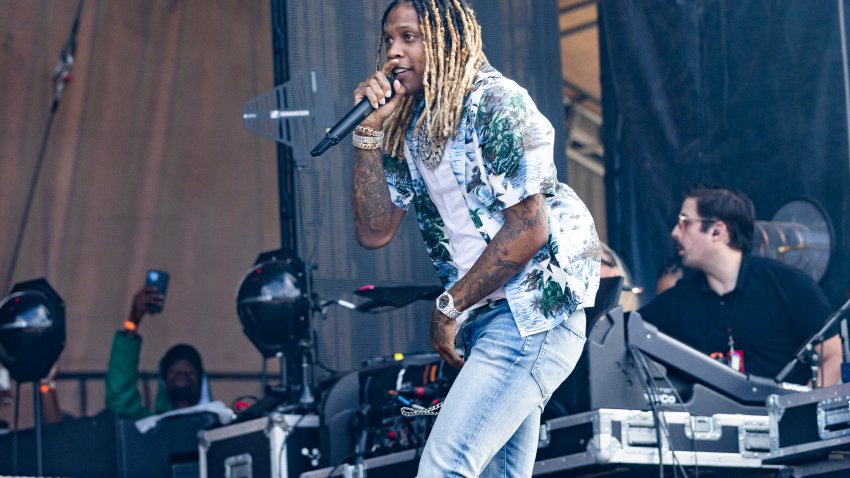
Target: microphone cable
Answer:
[[61, 76], [652, 393], [690, 420]]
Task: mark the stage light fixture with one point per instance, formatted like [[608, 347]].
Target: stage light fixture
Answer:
[[272, 303], [32, 330], [799, 235]]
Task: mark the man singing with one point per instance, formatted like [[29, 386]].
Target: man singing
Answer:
[[515, 249]]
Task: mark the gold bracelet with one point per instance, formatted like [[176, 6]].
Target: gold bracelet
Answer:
[[367, 131]]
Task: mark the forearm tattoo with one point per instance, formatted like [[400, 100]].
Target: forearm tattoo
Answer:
[[508, 252], [370, 197]]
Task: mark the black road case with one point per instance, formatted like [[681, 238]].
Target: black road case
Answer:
[[278, 446]]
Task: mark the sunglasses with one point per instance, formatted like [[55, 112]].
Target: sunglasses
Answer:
[[685, 221]]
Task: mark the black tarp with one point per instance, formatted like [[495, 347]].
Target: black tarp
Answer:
[[747, 94]]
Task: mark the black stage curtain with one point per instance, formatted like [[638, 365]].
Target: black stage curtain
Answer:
[[748, 94], [340, 39]]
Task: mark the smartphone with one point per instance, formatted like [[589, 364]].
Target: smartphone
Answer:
[[159, 280]]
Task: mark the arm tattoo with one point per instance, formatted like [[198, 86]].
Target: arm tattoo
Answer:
[[371, 201], [507, 253], [533, 214]]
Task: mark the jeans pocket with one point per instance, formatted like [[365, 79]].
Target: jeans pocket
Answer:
[[558, 356]]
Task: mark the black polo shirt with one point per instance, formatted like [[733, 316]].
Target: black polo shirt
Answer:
[[773, 310]]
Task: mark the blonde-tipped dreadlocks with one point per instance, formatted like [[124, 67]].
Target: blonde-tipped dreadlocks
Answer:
[[453, 54]]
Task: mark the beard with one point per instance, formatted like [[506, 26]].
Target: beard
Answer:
[[184, 394]]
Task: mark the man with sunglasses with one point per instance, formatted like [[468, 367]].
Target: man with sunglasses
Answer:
[[751, 312]]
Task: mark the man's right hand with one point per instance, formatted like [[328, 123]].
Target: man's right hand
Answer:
[[377, 89], [144, 298], [443, 330], [376, 218]]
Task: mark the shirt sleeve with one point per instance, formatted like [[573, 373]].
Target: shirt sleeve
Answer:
[[399, 181], [122, 393], [517, 144]]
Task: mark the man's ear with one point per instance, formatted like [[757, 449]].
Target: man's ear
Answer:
[[719, 230]]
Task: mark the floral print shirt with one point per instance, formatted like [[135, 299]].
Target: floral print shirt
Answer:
[[503, 153]]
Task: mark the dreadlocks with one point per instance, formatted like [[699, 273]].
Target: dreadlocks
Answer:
[[453, 55]]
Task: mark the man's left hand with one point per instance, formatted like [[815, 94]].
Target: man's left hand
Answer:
[[443, 331]]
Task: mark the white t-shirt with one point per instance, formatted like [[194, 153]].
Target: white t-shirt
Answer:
[[465, 240]]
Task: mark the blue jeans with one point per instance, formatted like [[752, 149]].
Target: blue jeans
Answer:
[[490, 422]]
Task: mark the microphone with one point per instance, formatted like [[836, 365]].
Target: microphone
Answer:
[[347, 124], [62, 71]]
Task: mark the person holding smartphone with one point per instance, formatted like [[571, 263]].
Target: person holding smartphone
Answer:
[[182, 382]]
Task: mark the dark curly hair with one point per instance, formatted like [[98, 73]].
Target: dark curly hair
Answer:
[[729, 206]]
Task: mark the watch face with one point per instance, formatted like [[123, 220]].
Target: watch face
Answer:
[[444, 301]]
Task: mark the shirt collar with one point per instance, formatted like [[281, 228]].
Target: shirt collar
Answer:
[[746, 258], [745, 270]]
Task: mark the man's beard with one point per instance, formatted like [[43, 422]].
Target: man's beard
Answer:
[[184, 394]]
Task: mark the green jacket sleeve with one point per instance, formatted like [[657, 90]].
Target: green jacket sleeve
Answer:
[[122, 376]]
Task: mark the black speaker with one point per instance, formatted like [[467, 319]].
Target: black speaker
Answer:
[[169, 450], [83, 447]]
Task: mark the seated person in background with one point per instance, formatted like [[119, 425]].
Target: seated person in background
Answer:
[[734, 302], [613, 266], [182, 382], [669, 275]]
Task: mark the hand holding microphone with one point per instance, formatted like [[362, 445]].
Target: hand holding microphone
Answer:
[[375, 100], [383, 93]]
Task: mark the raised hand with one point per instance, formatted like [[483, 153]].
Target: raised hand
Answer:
[[377, 90], [144, 299]]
